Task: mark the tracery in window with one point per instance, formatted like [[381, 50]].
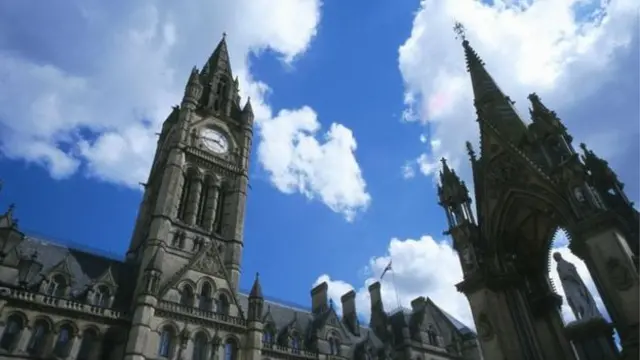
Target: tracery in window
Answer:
[[12, 332]]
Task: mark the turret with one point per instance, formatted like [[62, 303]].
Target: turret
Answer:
[[548, 131], [256, 301], [454, 197], [153, 273], [193, 90], [254, 319]]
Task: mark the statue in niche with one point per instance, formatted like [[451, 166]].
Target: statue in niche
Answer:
[[578, 296]]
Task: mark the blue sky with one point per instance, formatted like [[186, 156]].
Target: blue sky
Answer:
[[355, 101]]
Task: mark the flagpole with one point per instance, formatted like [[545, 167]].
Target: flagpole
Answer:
[[395, 289]]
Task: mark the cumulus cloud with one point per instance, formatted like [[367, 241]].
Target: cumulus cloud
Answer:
[[564, 50], [91, 94], [430, 268]]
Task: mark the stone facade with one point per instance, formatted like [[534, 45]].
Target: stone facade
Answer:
[[175, 295]]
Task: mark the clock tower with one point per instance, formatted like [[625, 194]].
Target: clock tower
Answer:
[[194, 199]]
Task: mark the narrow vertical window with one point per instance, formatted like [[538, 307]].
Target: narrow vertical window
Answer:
[[11, 333], [166, 342], [202, 204], [186, 296], [206, 300], [199, 347], [184, 198], [88, 345], [38, 338], [63, 343], [230, 350], [223, 305], [219, 212]]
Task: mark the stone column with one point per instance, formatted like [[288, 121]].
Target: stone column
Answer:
[[592, 339], [193, 200], [25, 336], [610, 262], [211, 204], [74, 347]]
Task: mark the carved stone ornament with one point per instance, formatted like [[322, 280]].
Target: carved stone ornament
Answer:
[[503, 171], [207, 265], [484, 327], [618, 274]]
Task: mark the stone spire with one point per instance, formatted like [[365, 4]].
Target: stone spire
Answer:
[[256, 289], [219, 59], [256, 301], [492, 105]]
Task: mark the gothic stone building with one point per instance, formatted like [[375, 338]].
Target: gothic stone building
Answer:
[[175, 296], [529, 181]]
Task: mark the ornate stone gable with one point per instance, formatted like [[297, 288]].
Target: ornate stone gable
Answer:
[[63, 267], [206, 261], [106, 278], [210, 263]]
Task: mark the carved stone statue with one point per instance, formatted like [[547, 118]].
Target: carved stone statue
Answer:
[[578, 296]]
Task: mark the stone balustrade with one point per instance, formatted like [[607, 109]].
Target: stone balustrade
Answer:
[[200, 313]]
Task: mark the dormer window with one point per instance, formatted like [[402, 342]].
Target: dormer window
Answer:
[[102, 296], [57, 286]]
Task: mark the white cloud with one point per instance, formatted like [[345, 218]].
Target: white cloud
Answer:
[[561, 49], [95, 101], [298, 162], [425, 267]]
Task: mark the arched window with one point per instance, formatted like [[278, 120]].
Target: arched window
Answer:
[[202, 203], [199, 347], [88, 345], [102, 296], [38, 338], [230, 350], [184, 197], [166, 342], [206, 300], [12, 332], [221, 92], [186, 296], [219, 211], [63, 343], [57, 286], [223, 304]]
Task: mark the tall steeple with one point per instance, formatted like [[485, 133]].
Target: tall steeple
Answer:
[[219, 60], [493, 107]]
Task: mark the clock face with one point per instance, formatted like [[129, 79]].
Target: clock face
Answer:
[[214, 141]]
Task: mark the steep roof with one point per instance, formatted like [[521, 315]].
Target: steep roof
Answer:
[[83, 267]]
